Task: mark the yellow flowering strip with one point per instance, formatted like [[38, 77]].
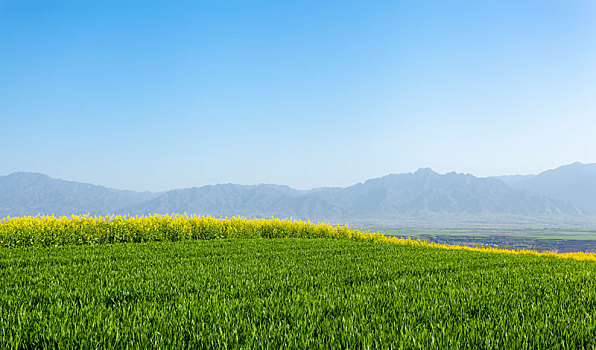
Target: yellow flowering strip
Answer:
[[51, 231], [408, 241]]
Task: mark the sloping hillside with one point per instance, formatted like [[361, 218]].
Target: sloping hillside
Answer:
[[575, 183], [31, 194]]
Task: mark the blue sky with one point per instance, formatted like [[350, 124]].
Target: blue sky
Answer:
[[155, 95]]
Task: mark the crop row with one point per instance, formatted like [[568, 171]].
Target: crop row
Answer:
[[52, 231]]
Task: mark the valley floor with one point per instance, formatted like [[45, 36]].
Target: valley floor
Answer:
[[552, 240]]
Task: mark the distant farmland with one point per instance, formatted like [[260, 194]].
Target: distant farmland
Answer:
[[555, 240]]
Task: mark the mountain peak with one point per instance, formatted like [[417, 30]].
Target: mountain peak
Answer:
[[573, 165], [425, 172], [28, 174]]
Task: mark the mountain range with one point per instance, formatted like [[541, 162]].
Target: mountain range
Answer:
[[575, 183], [24, 194], [565, 196]]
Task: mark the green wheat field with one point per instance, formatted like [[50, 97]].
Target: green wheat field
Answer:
[[282, 291]]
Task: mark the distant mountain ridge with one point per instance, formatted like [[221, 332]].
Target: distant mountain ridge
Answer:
[[575, 183], [23, 194], [420, 197]]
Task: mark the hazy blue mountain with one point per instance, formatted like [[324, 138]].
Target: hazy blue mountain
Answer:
[[575, 183], [422, 197], [413, 196], [31, 194], [510, 179], [237, 200], [426, 192]]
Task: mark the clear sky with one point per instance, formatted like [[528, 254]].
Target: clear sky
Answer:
[[155, 95]]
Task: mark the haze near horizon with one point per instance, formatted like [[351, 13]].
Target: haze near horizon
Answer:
[[160, 95]]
